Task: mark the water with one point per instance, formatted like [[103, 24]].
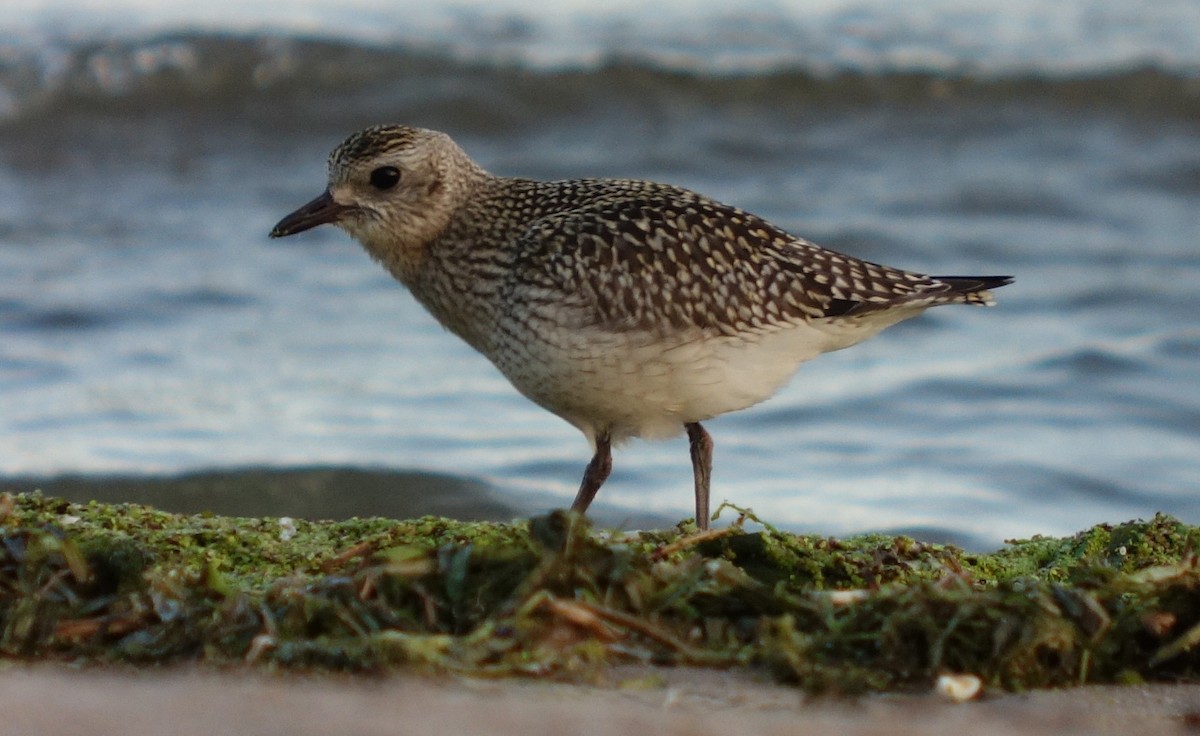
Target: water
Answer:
[[148, 326]]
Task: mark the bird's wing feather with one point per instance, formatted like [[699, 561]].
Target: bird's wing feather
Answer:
[[661, 257]]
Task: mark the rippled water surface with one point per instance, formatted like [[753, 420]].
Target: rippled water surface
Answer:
[[147, 324]]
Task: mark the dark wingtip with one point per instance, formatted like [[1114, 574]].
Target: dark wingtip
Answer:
[[974, 283]]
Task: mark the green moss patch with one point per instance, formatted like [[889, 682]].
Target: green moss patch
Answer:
[[99, 583]]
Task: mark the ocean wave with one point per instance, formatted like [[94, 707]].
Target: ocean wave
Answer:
[[756, 35], [214, 72]]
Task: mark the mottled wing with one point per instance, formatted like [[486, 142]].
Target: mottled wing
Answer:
[[654, 256]]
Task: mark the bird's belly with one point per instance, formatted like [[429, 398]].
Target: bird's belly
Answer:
[[640, 384]]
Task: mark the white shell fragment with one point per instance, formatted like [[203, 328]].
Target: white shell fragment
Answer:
[[958, 688]]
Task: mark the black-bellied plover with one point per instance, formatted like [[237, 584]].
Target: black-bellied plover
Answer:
[[626, 307]]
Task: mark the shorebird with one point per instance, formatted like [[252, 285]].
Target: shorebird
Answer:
[[629, 308]]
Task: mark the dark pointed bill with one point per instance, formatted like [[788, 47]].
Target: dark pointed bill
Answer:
[[322, 210]]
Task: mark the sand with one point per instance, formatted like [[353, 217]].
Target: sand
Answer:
[[177, 702]]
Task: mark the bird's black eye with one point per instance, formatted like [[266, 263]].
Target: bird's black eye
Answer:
[[385, 177]]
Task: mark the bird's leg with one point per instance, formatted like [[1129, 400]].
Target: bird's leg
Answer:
[[702, 447], [596, 473]]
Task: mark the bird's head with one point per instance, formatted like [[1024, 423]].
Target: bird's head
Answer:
[[392, 187]]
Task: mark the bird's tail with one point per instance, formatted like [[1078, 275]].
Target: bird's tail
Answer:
[[970, 289]]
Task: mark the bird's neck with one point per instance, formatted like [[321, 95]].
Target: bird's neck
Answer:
[[454, 275]]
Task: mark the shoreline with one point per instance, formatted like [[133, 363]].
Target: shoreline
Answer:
[[339, 492], [320, 492]]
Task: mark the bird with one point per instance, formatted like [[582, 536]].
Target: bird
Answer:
[[627, 307]]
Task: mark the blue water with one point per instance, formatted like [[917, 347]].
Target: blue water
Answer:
[[147, 324]]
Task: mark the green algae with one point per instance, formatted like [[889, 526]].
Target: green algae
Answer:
[[99, 583]]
